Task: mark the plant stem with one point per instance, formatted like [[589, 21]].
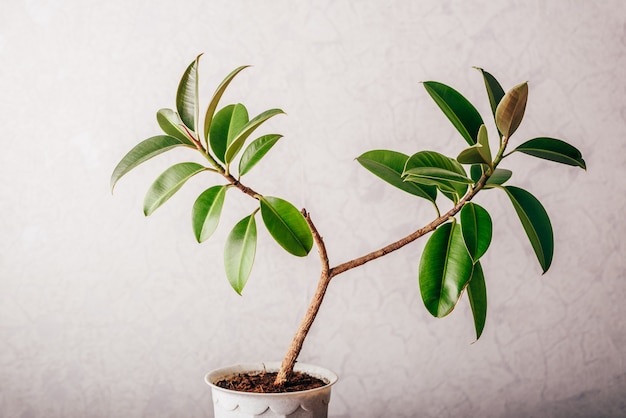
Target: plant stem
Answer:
[[245, 189], [195, 141], [289, 360], [327, 274], [341, 268]]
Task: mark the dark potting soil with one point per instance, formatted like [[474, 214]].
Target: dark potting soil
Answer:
[[263, 382]]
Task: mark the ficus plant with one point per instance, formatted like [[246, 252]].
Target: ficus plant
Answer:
[[450, 263]]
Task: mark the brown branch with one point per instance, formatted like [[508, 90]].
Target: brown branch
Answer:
[[341, 268], [290, 358], [245, 189], [327, 274]]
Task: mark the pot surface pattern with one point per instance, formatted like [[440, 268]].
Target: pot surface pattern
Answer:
[[305, 404]]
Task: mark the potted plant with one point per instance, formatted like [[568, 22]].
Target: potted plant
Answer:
[[450, 263]]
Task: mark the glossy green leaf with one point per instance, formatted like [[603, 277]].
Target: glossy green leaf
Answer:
[[495, 92], [235, 146], [210, 112], [499, 177], [478, 153], [446, 187], [255, 151], [472, 155], [554, 150], [476, 172], [389, 165], [142, 152], [445, 269], [286, 225], [206, 212], [483, 139], [477, 294], [170, 123], [436, 173], [239, 253], [227, 123], [477, 229], [457, 108], [510, 111], [536, 223], [187, 96], [168, 183], [435, 159]]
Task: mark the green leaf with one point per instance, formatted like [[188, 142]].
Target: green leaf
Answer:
[[437, 174], [477, 230], [389, 165], [227, 123], [536, 223], [286, 225], [478, 153], [169, 183], [499, 177], [187, 96], [511, 109], [554, 150], [472, 155], [434, 159], [246, 131], [445, 269], [216, 98], [477, 294], [476, 172], [170, 123], [239, 253], [457, 108], [255, 151], [495, 92], [142, 152], [238, 120], [206, 212], [483, 140], [445, 186]]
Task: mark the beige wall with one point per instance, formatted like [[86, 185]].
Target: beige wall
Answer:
[[104, 313]]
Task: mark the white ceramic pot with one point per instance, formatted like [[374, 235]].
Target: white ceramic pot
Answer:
[[311, 403]]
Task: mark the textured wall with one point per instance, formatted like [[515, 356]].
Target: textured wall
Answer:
[[104, 313]]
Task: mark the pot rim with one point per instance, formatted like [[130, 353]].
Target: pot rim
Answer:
[[271, 366]]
